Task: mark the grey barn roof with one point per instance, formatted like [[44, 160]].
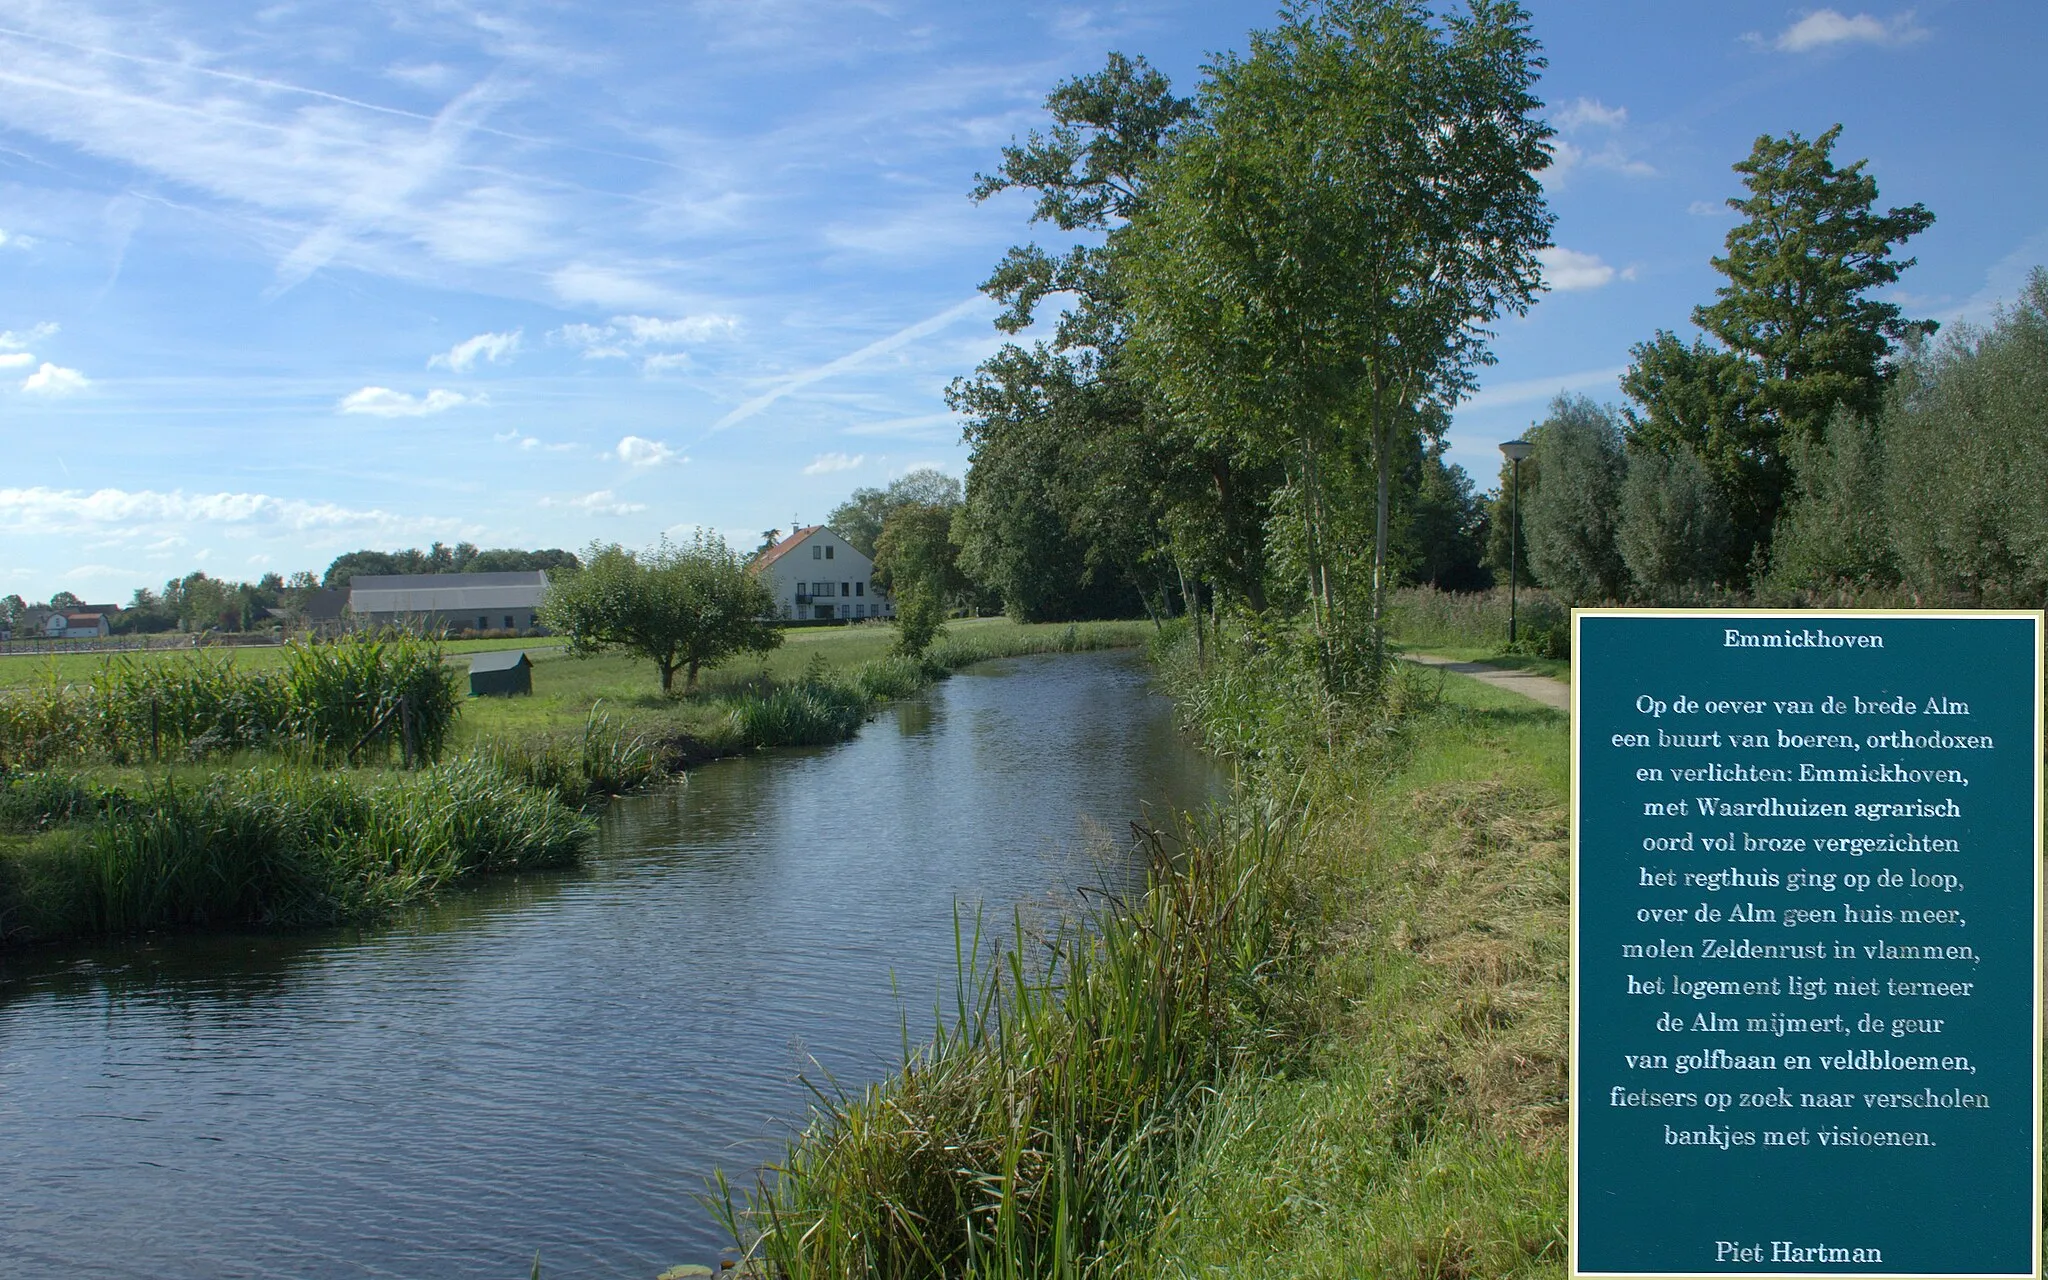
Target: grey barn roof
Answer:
[[498, 660], [423, 593]]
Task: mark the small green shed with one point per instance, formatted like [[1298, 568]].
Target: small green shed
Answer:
[[501, 671]]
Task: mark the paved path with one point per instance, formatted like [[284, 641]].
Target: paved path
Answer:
[[1543, 689]]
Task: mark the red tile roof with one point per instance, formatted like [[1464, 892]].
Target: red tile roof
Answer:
[[774, 553]]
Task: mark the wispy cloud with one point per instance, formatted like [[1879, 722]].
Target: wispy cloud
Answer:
[[1509, 393], [1827, 28], [853, 360], [1707, 209], [496, 348], [826, 463], [22, 339], [75, 511], [623, 336], [383, 402], [637, 451], [921, 426], [1567, 270], [1568, 157], [1581, 113], [55, 380], [601, 503], [16, 359]]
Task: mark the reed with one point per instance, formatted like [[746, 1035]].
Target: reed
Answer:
[[1040, 1125], [602, 761], [358, 698], [280, 846]]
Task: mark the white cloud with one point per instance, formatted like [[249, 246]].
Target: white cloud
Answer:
[[142, 512], [13, 340], [54, 380], [1568, 269], [383, 402], [1542, 388], [829, 462], [496, 348], [1583, 112], [664, 362], [581, 284], [1707, 209], [621, 336], [601, 503], [1824, 28], [922, 426], [648, 331], [854, 359], [637, 451], [16, 360], [1567, 157]]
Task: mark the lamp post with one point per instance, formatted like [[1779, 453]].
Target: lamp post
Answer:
[[1516, 450]]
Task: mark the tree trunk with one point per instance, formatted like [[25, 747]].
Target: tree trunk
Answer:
[[668, 673], [1379, 523], [690, 685]]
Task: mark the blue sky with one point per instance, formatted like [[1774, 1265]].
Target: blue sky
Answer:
[[285, 281]]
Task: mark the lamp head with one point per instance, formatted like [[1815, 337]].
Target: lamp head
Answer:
[[1516, 450]]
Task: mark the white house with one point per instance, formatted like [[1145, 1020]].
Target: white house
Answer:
[[75, 626], [815, 573]]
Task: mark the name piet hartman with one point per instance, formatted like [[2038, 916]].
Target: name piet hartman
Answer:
[[1793, 1251]]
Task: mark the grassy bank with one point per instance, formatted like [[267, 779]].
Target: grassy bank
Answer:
[[1328, 1040], [273, 846], [294, 788]]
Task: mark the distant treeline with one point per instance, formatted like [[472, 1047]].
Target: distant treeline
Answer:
[[201, 602], [463, 557]]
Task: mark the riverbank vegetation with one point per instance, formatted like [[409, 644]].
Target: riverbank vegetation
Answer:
[[336, 780], [1328, 1037]]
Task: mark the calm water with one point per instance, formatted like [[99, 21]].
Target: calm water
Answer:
[[557, 1062]]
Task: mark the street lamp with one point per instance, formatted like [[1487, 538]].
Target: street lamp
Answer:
[[1516, 450]]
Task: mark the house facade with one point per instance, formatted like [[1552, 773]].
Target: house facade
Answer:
[[75, 626], [816, 574], [449, 601]]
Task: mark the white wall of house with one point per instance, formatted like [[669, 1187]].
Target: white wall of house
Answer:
[[819, 574], [75, 626]]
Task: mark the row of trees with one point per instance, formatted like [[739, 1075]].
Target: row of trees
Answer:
[[1813, 439], [463, 557], [1283, 287], [1941, 489]]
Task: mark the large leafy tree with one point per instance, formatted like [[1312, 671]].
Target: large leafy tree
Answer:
[[1795, 332], [1323, 250], [685, 607], [860, 518]]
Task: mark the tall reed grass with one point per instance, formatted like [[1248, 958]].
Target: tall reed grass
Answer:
[[1479, 620], [278, 846], [602, 761], [360, 697], [1039, 1127]]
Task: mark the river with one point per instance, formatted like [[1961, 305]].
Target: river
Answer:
[[556, 1062]]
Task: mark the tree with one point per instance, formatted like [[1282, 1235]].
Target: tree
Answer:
[[685, 607], [860, 518], [65, 602], [916, 546], [920, 618], [1673, 531], [1797, 334], [1322, 250], [1568, 518]]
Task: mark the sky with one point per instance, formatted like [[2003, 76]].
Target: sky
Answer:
[[279, 282]]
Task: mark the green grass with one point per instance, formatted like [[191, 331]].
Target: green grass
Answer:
[[1425, 1136], [275, 846]]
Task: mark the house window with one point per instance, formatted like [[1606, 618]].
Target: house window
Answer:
[[846, 588], [860, 588], [828, 551], [817, 551], [482, 623], [508, 622]]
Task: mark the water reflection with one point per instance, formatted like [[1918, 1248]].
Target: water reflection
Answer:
[[557, 1061]]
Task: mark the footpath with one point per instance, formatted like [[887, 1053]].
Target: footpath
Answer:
[[1543, 689]]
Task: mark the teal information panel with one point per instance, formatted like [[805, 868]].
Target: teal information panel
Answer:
[[1806, 1002]]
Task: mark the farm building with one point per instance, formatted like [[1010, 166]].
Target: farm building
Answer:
[[449, 601], [815, 573], [506, 671], [75, 626]]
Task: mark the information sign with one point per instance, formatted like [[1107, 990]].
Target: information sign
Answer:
[[1806, 1002]]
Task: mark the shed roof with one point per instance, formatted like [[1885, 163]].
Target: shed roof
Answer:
[[498, 660], [446, 592]]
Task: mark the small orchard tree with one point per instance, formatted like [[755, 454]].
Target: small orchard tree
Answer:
[[686, 607]]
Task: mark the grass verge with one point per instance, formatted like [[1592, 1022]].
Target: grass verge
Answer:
[[1328, 1039]]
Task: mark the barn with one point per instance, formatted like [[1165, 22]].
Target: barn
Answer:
[[501, 672]]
